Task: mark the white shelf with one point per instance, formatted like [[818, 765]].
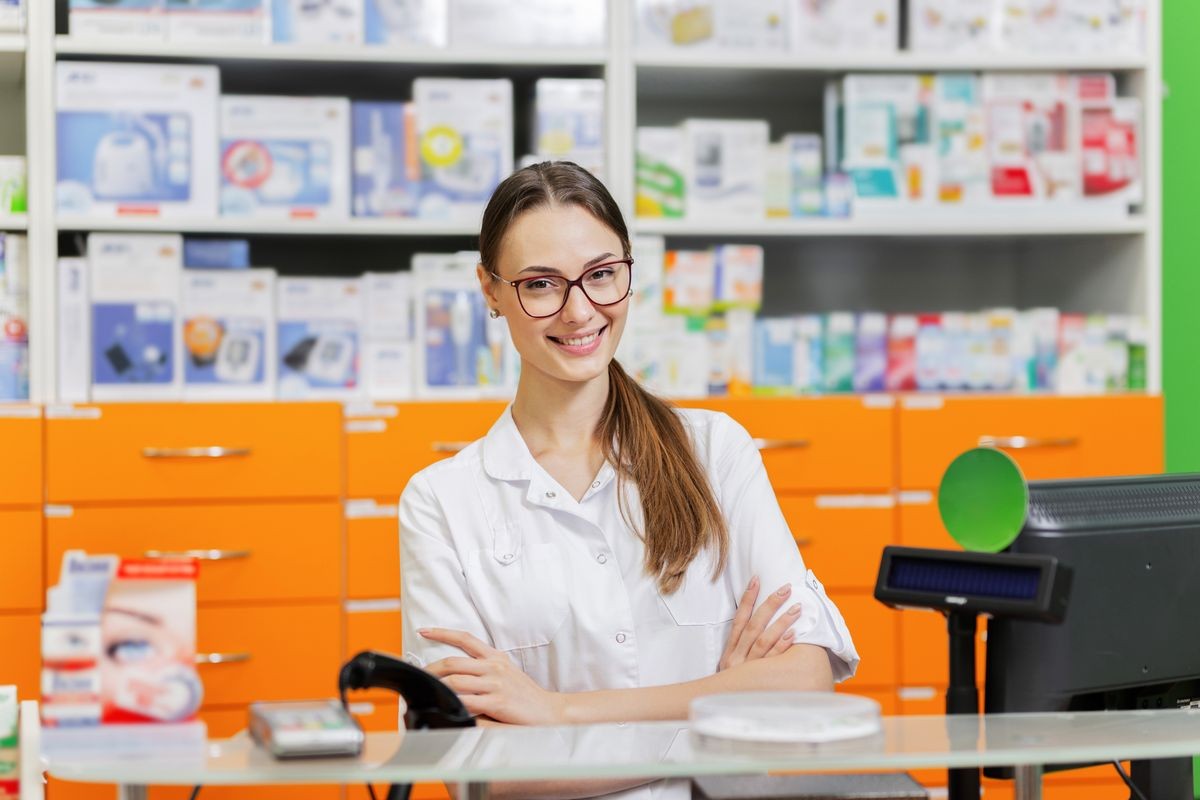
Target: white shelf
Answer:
[[12, 54], [890, 62], [360, 54], [12, 43], [962, 226], [13, 222], [249, 227]]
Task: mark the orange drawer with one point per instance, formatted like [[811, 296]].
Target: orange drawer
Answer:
[[921, 522], [819, 444], [842, 536], [21, 467], [874, 628], [285, 551], [386, 445], [925, 649], [21, 564], [279, 652], [885, 698], [384, 716], [1066, 437], [142, 451], [372, 550], [21, 657]]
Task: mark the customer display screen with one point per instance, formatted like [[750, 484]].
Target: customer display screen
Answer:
[[1009, 582]]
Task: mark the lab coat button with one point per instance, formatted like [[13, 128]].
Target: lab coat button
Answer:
[[620, 638], [507, 557], [603, 559], [551, 495], [595, 484]]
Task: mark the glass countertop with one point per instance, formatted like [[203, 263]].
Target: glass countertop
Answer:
[[668, 749]]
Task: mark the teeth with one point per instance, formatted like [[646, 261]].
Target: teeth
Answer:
[[580, 342]]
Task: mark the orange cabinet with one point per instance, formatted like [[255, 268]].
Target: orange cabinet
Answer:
[[925, 649], [21, 466], [181, 451], [1050, 437], [921, 522], [388, 443], [21, 659], [373, 625], [819, 444], [874, 628], [21, 564], [372, 550], [841, 537], [267, 551]]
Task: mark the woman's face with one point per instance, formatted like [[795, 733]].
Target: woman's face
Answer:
[[578, 342]]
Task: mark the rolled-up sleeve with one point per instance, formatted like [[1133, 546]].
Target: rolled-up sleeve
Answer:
[[762, 545], [433, 588]]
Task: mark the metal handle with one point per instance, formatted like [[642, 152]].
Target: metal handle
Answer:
[[1026, 442], [449, 447], [195, 452], [221, 658], [782, 444], [202, 555]]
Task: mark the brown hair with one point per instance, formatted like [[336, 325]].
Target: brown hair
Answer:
[[642, 436]]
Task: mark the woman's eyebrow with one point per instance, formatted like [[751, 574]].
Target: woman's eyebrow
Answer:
[[591, 263]]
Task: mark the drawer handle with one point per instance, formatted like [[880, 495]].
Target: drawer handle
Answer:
[[221, 658], [782, 444], [1026, 442], [449, 447], [195, 452], [202, 555]]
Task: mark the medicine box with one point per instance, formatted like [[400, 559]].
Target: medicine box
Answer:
[[1033, 136], [689, 284], [954, 26], [739, 277], [887, 147], [320, 324], [12, 15], [216, 253], [388, 368], [735, 25], [325, 22], [845, 26], [660, 173], [225, 21], [136, 140], [387, 168], [465, 130], [74, 331], [806, 196], [725, 168], [14, 318], [529, 23], [871, 355], [285, 157], [406, 22], [960, 131], [117, 19], [229, 334], [14, 195], [134, 284], [569, 121], [452, 334], [774, 355]]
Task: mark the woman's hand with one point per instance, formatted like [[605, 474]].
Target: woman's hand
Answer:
[[751, 638], [489, 685]]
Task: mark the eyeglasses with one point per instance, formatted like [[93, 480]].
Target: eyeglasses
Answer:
[[603, 285]]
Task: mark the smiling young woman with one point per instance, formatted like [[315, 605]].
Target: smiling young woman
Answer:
[[598, 556]]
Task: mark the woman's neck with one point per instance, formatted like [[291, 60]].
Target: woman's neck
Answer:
[[558, 416]]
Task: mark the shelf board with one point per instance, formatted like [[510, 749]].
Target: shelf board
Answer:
[[889, 62], [13, 222], [357, 54], [952, 226], [252, 227]]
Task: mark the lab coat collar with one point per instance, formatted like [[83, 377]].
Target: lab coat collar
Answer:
[[506, 457]]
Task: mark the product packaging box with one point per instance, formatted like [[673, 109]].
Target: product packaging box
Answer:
[[1072, 375], [406, 22], [978, 358], [871, 352], [1139, 337], [954, 26], [529, 23], [1032, 26], [229, 334], [1116, 352], [569, 121], [320, 334], [845, 26], [930, 352], [10, 761], [1032, 135], [388, 368], [888, 145], [13, 185], [216, 253], [955, 336], [649, 262], [325, 22], [285, 157], [1045, 324], [1000, 349], [732, 25], [225, 21], [775, 355], [14, 318], [1110, 147], [12, 15], [145, 20], [685, 358], [387, 168], [739, 277], [660, 172], [74, 340], [840, 347], [726, 168], [806, 195], [465, 130], [960, 130], [136, 348], [902, 353], [810, 353], [136, 140], [689, 282], [778, 186]]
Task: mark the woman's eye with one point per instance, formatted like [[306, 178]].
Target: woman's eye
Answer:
[[126, 651], [541, 285], [600, 275]]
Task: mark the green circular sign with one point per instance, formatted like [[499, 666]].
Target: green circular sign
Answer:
[[983, 500]]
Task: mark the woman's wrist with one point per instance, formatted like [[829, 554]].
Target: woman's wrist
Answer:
[[570, 708]]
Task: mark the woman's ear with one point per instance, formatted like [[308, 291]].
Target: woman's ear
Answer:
[[488, 285]]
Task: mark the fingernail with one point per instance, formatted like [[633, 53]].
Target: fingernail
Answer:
[[423, 631], [754, 582], [795, 609], [785, 590]]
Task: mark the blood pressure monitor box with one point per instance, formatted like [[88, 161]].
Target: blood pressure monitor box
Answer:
[[229, 334], [285, 157], [134, 285], [118, 19], [219, 20], [325, 22], [406, 22], [136, 140], [320, 333]]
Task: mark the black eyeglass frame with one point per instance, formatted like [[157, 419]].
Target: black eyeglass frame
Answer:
[[628, 262]]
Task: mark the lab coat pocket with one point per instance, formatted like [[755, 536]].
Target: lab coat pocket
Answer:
[[520, 593], [700, 600]]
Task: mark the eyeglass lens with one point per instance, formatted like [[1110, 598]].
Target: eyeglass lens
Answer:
[[604, 285]]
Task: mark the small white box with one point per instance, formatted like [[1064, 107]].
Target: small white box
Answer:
[[320, 323], [137, 140], [806, 188], [734, 25], [845, 26], [388, 369], [325, 22], [570, 121], [406, 22], [887, 146], [134, 284], [1032, 136], [389, 303], [466, 144], [14, 318], [229, 334], [726, 168], [12, 15], [74, 331], [285, 157], [529, 23], [660, 183], [689, 282], [960, 132], [227, 21], [387, 173], [118, 19], [739, 279], [953, 26]]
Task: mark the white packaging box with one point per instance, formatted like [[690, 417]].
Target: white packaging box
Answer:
[[285, 157], [779, 181], [529, 23], [229, 334], [649, 257], [465, 130], [388, 369], [144, 20], [406, 22], [137, 140], [326, 22], [960, 132], [805, 174], [734, 25], [685, 360], [888, 149], [844, 26], [689, 282], [12, 15], [320, 323], [1111, 151], [726, 168], [135, 334], [14, 318], [1033, 136], [569, 122], [739, 278], [14, 185], [225, 21], [660, 165], [1032, 26], [387, 172], [954, 26], [74, 331]]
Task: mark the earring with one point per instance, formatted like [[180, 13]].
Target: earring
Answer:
[[494, 313]]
